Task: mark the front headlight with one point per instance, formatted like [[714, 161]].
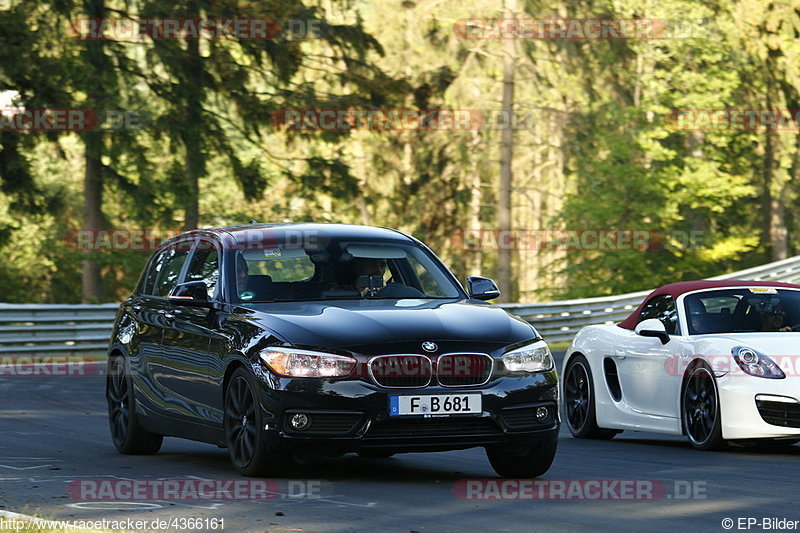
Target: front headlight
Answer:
[[307, 364], [534, 357], [755, 363]]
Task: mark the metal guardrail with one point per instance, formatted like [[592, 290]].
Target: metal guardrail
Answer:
[[32, 329]]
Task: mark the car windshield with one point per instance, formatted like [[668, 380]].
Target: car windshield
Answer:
[[340, 269], [757, 309]]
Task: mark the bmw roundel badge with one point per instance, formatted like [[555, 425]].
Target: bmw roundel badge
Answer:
[[429, 346]]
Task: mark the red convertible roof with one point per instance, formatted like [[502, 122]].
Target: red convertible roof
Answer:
[[676, 289]]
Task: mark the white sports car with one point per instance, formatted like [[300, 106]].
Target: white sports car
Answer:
[[712, 360]]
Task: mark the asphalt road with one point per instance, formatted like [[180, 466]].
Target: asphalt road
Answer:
[[53, 432]]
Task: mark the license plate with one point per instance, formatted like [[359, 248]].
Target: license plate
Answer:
[[435, 404]]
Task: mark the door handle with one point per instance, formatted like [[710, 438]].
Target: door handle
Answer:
[[619, 353]]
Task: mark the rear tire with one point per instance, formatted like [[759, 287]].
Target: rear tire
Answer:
[[242, 421], [579, 405], [700, 412], [533, 463], [127, 433]]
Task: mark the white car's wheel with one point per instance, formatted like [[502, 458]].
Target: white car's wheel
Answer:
[[700, 409], [579, 402]]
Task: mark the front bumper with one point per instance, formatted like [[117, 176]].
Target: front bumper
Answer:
[[745, 417], [348, 416]]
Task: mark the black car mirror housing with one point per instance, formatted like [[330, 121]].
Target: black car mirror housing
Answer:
[[191, 293], [482, 288]]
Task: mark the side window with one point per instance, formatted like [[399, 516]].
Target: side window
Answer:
[[205, 267], [169, 269], [664, 309], [429, 285], [154, 267], [650, 309]]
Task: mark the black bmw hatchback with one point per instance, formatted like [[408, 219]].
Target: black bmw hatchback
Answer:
[[290, 341]]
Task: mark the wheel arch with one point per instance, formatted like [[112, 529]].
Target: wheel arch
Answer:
[[234, 364]]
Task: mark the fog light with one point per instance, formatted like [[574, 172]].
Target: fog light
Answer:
[[542, 413], [299, 421]]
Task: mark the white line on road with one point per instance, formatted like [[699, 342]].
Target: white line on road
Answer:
[[120, 506]]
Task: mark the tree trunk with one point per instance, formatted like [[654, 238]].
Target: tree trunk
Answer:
[[191, 217], [97, 98], [775, 193], [504, 220], [779, 244], [93, 219], [474, 258], [361, 171], [194, 158], [775, 179]]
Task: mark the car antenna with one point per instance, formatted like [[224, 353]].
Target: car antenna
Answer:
[[253, 221]]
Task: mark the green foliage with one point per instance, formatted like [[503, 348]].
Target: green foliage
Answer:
[[597, 150]]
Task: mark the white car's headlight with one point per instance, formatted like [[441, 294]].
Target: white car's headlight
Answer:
[[534, 357], [307, 364], [755, 363]]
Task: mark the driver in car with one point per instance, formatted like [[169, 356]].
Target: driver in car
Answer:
[[369, 266], [774, 319]]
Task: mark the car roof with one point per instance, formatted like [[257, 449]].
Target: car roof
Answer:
[[281, 231], [677, 289]]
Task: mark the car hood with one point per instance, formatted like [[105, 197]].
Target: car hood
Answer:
[[392, 326], [772, 344]]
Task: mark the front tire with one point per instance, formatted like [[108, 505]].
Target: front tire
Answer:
[[579, 402], [244, 437], [700, 409], [533, 463], [127, 433]]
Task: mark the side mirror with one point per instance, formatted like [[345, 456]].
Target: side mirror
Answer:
[[191, 293], [653, 327], [482, 288]]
